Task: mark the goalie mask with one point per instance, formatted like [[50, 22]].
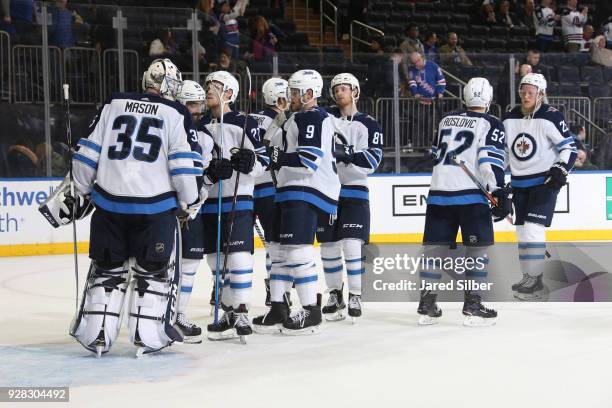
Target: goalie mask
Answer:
[[58, 208], [163, 76]]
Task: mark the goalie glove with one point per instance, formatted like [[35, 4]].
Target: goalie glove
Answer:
[[503, 196], [219, 169], [243, 160], [344, 153], [61, 207], [556, 176]]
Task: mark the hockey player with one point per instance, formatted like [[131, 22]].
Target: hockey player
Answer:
[[138, 167], [358, 150], [544, 19], [274, 92], [307, 185], [226, 129], [192, 95], [477, 139], [542, 153]]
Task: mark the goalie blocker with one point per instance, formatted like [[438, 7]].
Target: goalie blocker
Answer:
[[58, 208]]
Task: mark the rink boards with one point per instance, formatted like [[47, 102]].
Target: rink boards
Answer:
[[583, 213]]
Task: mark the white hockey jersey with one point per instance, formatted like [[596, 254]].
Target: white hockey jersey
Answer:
[[572, 23], [231, 135], [140, 156], [544, 21], [535, 144], [264, 187], [477, 139], [366, 136], [308, 137]]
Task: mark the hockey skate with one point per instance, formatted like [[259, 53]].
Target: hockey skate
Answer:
[[224, 328], [192, 334], [242, 325], [531, 289], [521, 282], [428, 309], [306, 321], [267, 281], [272, 321], [475, 313], [334, 310], [354, 307]]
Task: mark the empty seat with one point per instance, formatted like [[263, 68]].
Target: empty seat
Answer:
[[460, 29], [517, 44], [592, 74], [424, 7], [439, 29], [567, 73], [598, 91], [519, 31], [498, 31], [473, 44], [440, 18], [496, 44], [479, 30], [420, 18]]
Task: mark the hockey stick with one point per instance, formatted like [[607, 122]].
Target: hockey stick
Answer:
[[74, 204], [235, 197], [488, 195], [260, 233], [219, 212]]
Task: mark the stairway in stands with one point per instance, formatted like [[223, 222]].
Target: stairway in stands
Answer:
[[309, 22]]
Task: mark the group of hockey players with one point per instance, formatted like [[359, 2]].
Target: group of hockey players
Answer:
[[177, 175]]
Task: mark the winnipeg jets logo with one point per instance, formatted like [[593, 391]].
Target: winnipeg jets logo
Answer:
[[524, 146]]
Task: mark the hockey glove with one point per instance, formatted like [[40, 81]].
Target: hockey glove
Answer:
[[504, 204], [243, 160], [344, 153], [556, 176], [276, 157], [219, 169], [80, 204]]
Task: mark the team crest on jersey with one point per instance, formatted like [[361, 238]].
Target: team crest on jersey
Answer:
[[524, 146]]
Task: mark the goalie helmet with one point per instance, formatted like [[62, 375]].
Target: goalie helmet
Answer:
[[345, 79], [478, 93], [163, 76], [227, 80], [306, 79], [191, 91], [274, 89]]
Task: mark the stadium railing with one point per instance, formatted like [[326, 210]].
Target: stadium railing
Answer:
[[5, 66]]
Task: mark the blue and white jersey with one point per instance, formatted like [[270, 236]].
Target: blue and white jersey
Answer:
[[477, 139], [141, 154], [536, 143], [366, 136], [544, 21], [229, 136], [263, 184], [307, 138]]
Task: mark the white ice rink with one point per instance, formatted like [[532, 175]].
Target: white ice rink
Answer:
[[538, 355]]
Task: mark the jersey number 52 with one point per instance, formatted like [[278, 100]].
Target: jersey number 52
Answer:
[[443, 155]]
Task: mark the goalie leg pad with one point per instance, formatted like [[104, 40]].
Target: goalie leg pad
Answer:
[[98, 321], [153, 303]]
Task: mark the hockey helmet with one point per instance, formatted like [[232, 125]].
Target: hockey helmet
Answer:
[[163, 76], [306, 79], [191, 91], [536, 80], [227, 80], [274, 89], [346, 79], [478, 93]]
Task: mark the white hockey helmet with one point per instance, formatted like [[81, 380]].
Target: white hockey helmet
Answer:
[[345, 79], [228, 81], [274, 89], [306, 79], [478, 93], [163, 76], [536, 80], [191, 91]]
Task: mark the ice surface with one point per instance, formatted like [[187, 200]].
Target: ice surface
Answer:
[[538, 355]]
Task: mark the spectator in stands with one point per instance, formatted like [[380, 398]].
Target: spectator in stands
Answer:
[[607, 31], [22, 161], [377, 45], [452, 53], [355, 10], [505, 17], [229, 32], [264, 40], [533, 58], [412, 43], [583, 162], [164, 45], [587, 38], [523, 10], [503, 94], [599, 53], [579, 134], [572, 21], [62, 19], [58, 165], [210, 27], [18, 18], [425, 78], [545, 20], [431, 51], [488, 15]]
